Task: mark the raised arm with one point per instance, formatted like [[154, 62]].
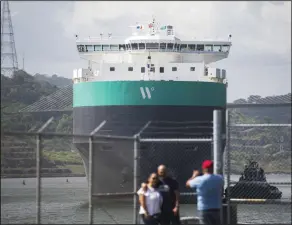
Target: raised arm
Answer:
[[190, 183]]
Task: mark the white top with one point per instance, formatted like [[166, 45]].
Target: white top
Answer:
[[153, 201]]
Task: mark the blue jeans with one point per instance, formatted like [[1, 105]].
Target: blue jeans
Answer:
[[210, 217]]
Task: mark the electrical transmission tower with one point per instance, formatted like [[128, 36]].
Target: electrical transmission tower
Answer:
[[9, 62]]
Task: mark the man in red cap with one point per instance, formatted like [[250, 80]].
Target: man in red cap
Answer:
[[209, 188]]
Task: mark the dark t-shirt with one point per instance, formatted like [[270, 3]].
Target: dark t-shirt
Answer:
[[167, 188]]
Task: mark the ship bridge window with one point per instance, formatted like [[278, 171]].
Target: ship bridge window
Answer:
[[162, 45], [217, 48], [80, 48], [192, 47], [112, 69], [192, 68], [97, 48], [183, 47], [142, 69], [122, 47], [177, 47], [89, 48], [141, 45], [161, 69], [200, 47], [225, 48], [105, 47], [114, 47], [208, 48], [152, 45], [130, 69], [128, 47], [169, 46], [174, 69], [134, 46]]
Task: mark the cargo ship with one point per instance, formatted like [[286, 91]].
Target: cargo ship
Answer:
[[151, 83]]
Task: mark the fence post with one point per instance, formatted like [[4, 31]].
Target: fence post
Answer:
[[227, 154], [39, 169], [217, 147], [38, 182], [136, 178], [90, 173], [217, 139], [90, 170]]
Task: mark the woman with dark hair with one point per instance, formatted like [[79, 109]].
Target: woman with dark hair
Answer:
[[150, 201]]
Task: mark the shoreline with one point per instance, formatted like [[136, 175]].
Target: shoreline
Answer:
[[43, 176], [84, 175]]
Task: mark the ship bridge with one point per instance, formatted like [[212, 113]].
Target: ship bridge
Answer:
[[160, 42], [151, 54]]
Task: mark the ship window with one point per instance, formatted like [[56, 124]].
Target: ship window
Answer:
[[192, 47], [130, 68], [217, 48], [105, 47], [128, 47], [141, 45], [208, 48], [122, 47], [142, 69], [114, 47], [225, 48], [152, 45], [162, 45], [178, 47], [200, 47], [175, 46], [134, 46], [89, 48], [97, 47], [183, 47], [174, 69], [80, 48], [161, 69], [192, 68], [152, 69], [169, 46], [112, 68]]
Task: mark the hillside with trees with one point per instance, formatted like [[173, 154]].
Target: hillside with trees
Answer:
[[54, 80], [18, 153]]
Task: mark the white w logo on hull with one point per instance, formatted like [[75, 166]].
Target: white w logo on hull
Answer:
[[144, 94]]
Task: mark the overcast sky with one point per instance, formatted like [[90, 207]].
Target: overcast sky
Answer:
[[259, 60]]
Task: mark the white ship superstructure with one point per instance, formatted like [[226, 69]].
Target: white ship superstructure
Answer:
[[151, 53]]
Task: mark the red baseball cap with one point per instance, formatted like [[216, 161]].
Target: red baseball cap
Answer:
[[207, 164]]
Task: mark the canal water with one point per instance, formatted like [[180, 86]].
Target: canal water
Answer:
[[67, 202]]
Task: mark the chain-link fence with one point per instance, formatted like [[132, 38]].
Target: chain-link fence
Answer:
[[114, 166], [258, 165], [93, 178]]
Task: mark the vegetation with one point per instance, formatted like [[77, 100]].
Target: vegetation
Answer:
[[18, 92], [269, 146]]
